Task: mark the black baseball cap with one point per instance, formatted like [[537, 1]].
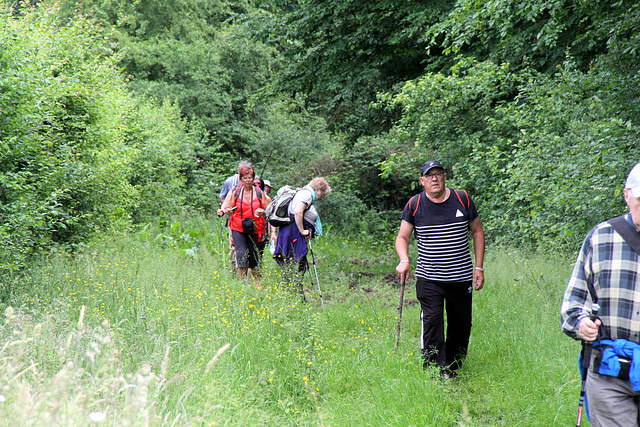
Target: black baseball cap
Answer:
[[430, 165]]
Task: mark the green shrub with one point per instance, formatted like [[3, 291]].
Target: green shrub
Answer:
[[77, 153], [544, 157]]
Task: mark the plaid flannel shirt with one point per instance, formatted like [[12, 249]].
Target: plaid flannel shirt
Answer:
[[610, 268]]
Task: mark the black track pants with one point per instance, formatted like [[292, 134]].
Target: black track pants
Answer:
[[247, 255], [434, 297]]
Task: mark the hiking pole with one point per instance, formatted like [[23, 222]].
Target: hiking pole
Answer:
[[224, 256], [400, 304], [313, 260], [586, 358]]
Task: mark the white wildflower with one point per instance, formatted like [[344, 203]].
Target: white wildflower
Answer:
[[97, 417]]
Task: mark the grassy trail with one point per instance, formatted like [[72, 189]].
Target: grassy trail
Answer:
[[168, 336]]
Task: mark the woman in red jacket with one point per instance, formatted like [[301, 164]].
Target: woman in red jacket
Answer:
[[246, 205]]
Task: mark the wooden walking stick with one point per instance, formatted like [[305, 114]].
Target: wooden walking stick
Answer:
[[400, 304]]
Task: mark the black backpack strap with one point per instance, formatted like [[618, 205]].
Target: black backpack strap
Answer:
[[626, 231]]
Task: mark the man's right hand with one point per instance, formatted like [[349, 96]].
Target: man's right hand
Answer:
[[404, 270], [588, 329]]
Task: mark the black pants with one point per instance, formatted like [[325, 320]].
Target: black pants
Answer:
[[434, 298], [289, 273], [247, 255]]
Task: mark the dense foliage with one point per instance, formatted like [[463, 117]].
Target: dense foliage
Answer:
[[78, 154], [341, 53], [542, 136], [115, 112], [538, 33], [544, 167]]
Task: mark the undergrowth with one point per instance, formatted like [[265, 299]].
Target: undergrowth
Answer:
[[153, 328]]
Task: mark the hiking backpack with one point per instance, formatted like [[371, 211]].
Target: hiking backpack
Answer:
[[417, 197], [277, 211]]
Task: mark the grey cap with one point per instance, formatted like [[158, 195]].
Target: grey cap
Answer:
[[430, 165]]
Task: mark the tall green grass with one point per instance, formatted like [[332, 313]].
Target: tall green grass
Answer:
[[153, 328]]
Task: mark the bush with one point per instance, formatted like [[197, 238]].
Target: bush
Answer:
[[78, 154], [570, 160], [544, 157]]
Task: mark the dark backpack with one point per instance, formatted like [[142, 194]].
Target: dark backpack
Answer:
[[277, 211]]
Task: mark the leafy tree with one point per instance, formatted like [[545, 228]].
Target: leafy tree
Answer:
[[450, 117], [537, 33], [209, 65], [543, 169], [571, 158], [341, 53]]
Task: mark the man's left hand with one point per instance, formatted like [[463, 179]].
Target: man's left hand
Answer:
[[478, 279]]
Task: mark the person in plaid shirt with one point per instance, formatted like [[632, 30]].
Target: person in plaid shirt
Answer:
[[607, 272]]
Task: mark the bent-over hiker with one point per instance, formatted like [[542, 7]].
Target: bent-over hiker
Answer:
[[291, 246], [440, 218], [607, 272]]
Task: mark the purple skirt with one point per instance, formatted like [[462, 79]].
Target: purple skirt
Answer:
[[291, 246]]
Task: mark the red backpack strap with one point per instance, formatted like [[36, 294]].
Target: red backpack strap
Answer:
[[460, 199], [259, 194], [413, 213], [236, 194]]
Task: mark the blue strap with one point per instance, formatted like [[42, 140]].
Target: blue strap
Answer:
[[314, 196], [629, 219]]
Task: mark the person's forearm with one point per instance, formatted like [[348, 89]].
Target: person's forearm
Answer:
[[299, 222], [574, 302], [402, 240], [478, 248], [403, 255], [477, 234], [402, 248], [299, 217]]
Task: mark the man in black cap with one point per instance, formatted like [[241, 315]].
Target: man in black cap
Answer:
[[441, 218]]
